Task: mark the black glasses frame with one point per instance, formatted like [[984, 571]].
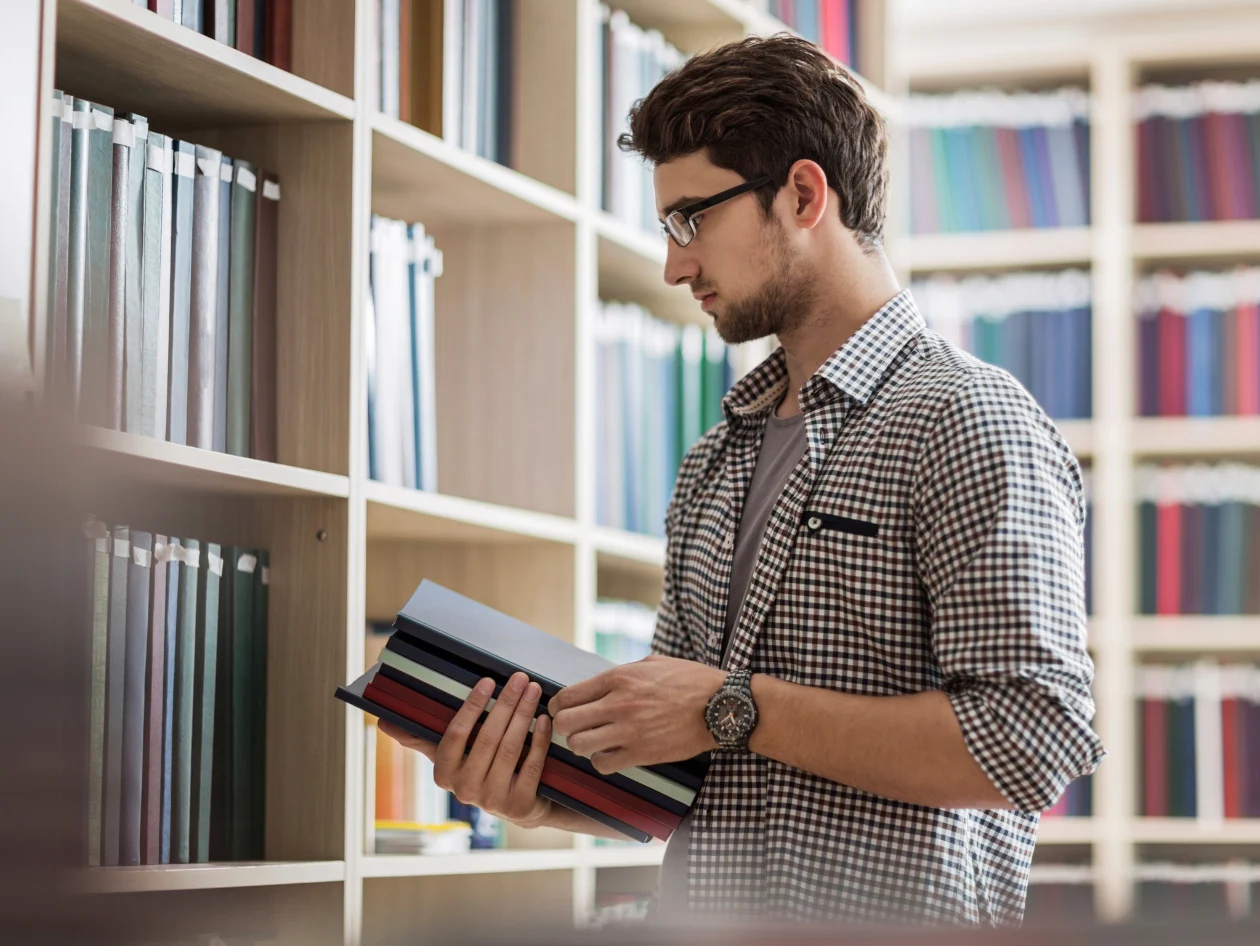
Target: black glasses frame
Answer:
[[678, 224]]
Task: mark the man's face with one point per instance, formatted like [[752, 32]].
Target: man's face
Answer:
[[741, 265]]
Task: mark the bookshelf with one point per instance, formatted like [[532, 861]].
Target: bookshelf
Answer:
[[528, 252], [1110, 56]]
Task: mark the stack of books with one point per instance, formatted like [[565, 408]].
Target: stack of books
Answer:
[[832, 24], [409, 837], [1199, 740], [995, 160], [444, 643], [1035, 325], [1199, 535], [402, 398], [659, 386], [177, 733], [260, 28], [629, 62], [623, 630], [162, 284], [1198, 151], [1199, 343]]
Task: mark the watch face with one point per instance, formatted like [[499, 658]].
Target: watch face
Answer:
[[730, 716]]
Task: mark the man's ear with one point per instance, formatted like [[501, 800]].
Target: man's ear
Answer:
[[807, 187]]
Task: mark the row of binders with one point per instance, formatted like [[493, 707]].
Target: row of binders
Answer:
[[1199, 343], [623, 630], [659, 386], [450, 68], [177, 729], [443, 644], [162, 284], [1037, 326], [629, 61], [1199, 539], [1198, 151], [1199, 741], [994, 160], [831, 24], [401, 402], [259, 28]]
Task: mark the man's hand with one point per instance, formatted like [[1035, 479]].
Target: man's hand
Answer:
[[486, 776], [643, 713]]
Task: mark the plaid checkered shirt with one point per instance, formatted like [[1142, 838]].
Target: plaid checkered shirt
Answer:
[[973, 584]]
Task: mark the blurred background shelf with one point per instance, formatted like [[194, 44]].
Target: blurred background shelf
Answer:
[[396, 512], [1177, 437], [1197, 634], [475, 862], [1192, 242], [994, 250], [167, 877]]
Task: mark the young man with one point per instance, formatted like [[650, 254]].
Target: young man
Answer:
[[873, 601]]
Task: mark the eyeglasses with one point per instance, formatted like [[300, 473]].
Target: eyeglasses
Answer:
[[680, 224]]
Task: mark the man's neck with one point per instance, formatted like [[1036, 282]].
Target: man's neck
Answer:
[[848, 294]]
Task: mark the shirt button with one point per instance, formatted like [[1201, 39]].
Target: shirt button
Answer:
[[728, 543], [814, 523]]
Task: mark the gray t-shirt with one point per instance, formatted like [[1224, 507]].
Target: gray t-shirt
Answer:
[[782, 446]]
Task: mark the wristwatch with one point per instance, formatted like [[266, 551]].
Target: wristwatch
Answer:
[[732, 713]]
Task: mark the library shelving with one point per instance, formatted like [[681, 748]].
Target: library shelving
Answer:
[[527, 255], [1111, 56]]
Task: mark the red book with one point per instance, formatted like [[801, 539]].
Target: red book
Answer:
[[164, 8], [1224, 204], [1168, 558], [831, 17], [844, 42], [1239, 160], [1229, 739], [1154, 758], [279, 40], [1172, 363], [556, 774], [1013, 176], [1248, 355]]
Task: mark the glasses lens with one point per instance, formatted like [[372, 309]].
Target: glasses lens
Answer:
[[679, 227]]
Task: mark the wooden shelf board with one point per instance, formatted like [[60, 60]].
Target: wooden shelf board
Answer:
[[1062, 830], [121, 55], [997, 249], [1197, 633], [1079, 435], [1191, 831], [690, 25], [632, 269], [144, 460], [165, 877], [474, 862], [628, 855], [418, 176], [395, 512], [1196, 436], [1189, 241], [616, 547]]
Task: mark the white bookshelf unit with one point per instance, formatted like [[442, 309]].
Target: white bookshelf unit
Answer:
[[528, 254], [1110, 56]]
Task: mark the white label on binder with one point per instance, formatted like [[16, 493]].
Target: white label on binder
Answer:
[[225, 171], [142, 129], [161, 553], [207, 166], [122, 548], [82, 120], [124, 133], [216, 564], [266, 575], [95, 529], [192, 558], [175, 552], [156, 155], [103, 121], [184, 163], [247, 563], [141, 556], [245, 177], [271, 190]]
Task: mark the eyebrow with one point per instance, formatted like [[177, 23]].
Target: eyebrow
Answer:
[[678, 204]]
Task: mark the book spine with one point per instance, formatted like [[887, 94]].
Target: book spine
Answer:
[[99, 564], [244, 565], [185, 689], [138, 579], [222, 297], [240, 310], [94, 400], [120, 212], [170, 672], [263, 434], [203, 306], [115, 694], [134, 316], [181, 289], [258, 707], [151, 820], [206, 684]]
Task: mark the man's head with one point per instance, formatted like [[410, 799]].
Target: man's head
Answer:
[[778, 108]]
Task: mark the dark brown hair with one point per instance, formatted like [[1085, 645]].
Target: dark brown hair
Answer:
[[759, 105]]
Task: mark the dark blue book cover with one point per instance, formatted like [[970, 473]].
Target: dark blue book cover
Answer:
[[1199, 359], [1211, 569], [1186, 170], [1032, 179], [1192, 558], [1148, 363], [1041, 145]]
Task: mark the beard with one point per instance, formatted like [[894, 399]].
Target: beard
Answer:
[[781, 304]]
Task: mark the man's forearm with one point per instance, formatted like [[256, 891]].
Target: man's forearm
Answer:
[[908, 748]]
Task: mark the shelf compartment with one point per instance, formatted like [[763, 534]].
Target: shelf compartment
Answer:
[[1196, 436], [215, 876], [395, 512], [1209, 240], [998, 249], [1192, 831], [474, 862], [693, 25], [139, 460], [115, 53], [1063, 830], [1197, 634], [632, 269]]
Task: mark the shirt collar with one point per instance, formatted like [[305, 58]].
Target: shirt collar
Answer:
[[856, 368]]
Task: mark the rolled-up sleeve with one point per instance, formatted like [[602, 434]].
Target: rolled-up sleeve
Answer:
[[999, 526]]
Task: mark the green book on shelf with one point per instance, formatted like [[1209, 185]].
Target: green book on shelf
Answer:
[[1231, 552], [258, 708], [691, 355], [244, 566], [93, 405], [185, 677], [1148, 515], [241, 309], [713, 379], [115, 680], [134, 315], [98, 575], [205, 674]]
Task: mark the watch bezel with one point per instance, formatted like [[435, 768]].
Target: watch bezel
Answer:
[[737, 740]]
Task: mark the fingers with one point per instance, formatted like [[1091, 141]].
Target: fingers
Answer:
[[578, 719], [486, 745], [448, 759], [585, 692], [525, 786], [600, 739], [407, 740], [498, 780]]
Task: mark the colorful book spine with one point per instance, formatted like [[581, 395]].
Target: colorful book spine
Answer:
[[993, 160], [623, 630], [1198, 151], [1037, 326]]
